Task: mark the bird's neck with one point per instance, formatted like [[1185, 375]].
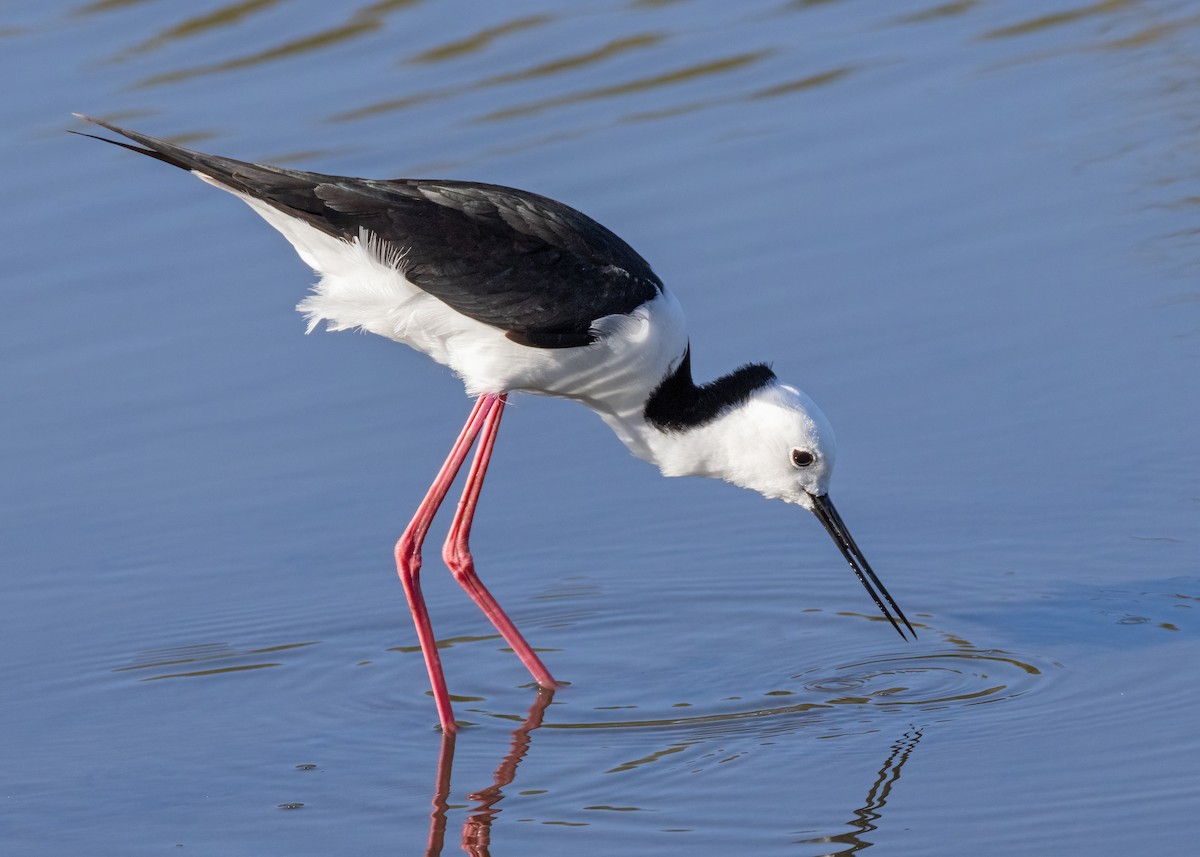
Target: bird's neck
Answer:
[[678, 428]]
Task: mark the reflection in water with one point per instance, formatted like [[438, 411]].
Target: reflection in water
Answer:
[[567, 63], [479, 40], [774, 91], [695, 71], [477, 829], [835, 696], [199, 25], [161, 658], [367, 19], [1057, 19], [866, 816], [945, 10]]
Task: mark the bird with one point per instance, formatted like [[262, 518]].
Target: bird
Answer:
[[518, 293]]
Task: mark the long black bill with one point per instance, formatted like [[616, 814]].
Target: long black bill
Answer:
[[836, 527]]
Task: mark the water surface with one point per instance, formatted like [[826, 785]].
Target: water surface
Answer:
[[967, 229]]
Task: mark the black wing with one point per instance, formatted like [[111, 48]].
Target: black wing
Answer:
[[533, 267]]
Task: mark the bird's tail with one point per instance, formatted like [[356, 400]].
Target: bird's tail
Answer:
[[275, 184]]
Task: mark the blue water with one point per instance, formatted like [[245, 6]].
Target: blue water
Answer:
[[968, 230]]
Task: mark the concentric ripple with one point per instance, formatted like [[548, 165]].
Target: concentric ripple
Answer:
[[963, 675], [847, 694], [950, 674]]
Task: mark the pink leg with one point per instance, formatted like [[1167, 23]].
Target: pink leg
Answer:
[[457, 552], [408, 554]]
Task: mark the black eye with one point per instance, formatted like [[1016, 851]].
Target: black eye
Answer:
[[802, 457]]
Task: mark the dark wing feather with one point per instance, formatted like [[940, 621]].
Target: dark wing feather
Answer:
[[533, 267]]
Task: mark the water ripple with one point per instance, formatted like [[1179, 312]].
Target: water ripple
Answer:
[[947, 675]]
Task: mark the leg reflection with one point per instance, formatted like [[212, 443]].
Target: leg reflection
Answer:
[[441, 794], [865, 817], [477, 830]]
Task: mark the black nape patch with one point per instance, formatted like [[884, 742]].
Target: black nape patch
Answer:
[[678, 404]]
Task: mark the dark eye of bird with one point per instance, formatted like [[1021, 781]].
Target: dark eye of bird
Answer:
[[802, 457]]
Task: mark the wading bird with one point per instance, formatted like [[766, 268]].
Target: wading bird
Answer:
[[517, 292]]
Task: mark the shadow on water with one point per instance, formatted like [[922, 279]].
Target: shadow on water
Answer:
[[476, 837]]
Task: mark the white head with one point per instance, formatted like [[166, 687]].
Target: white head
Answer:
[[778, 443]]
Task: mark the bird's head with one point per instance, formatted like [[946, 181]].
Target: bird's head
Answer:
[[780, 444]]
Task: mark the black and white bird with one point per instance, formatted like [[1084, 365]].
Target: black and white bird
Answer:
[[518, 293]]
